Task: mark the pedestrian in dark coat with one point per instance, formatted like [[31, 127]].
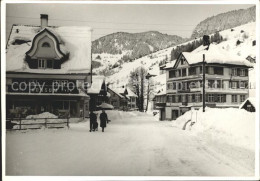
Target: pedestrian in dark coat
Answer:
[[92, 120], [103, 120]]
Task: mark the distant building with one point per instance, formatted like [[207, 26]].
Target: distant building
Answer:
[[122, 98], [226, 81], [46, 70], [249, 104], [159, 102], [97, 92]]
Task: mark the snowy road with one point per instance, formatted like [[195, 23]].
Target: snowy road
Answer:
[[130, 146]]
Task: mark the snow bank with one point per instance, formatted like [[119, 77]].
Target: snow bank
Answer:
[[115, 114], [232, 126], [42, 115]]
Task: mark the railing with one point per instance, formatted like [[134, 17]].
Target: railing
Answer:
[[17, 122]]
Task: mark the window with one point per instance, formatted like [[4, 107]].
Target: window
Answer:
[[234, 72], [190, 98], [41, 64], [234, 98], [170, 98], [211, 98], [221, 98], [219, 84], [184, 73], [192, 71], [210, 70], [233, 85], [218, 70], [183, 98], [211, 83], [178, 73], [242, 72], [169, 86], [171, 73], [46, 44], [173, 98], [242, 85], [242, 98], [197, 98], [176, 98], [50, 63], [174, 85]]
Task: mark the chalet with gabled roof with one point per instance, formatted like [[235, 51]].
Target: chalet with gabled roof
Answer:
[[226, 80], [47, 70]]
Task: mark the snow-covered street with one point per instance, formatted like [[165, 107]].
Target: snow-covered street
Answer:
[[133, 144]]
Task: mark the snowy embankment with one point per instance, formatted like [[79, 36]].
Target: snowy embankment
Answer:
[[232, 126]]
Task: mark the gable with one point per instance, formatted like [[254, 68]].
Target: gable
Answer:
[[181, 62], [45, 45]]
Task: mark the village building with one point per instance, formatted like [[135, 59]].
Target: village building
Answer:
[[226, 81], [249, 104], [97, 92], [122, 98], [47, 68], [159, 103]]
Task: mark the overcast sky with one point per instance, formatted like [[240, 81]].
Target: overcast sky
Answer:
[[108, 18]]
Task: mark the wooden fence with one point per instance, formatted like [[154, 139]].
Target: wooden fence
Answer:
[[17, 122]]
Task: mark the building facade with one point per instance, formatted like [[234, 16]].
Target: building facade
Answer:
[[226, 81], [122, 98], [47, 69]]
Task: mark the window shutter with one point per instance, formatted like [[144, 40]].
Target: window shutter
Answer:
[[238, 84], [206, 97], [224, 98], [246, 72]]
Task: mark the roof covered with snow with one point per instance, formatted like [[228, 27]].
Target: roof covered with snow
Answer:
[[214, 54], [117, 91], [73, 40], [130, 93], [96, 84]]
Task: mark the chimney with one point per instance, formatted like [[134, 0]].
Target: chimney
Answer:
[[206, 40], [44, 20]]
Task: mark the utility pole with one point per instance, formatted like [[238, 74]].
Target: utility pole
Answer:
[[203, 83]]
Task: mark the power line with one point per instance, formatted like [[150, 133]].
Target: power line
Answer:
[[171, 24]]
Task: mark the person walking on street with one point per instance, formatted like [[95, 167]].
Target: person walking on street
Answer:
[[103, 120], [93, 119]]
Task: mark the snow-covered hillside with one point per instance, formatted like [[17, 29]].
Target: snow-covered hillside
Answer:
[[245, 34]]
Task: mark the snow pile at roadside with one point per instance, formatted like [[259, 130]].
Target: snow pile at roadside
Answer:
[[42, 115], [232, 126]]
